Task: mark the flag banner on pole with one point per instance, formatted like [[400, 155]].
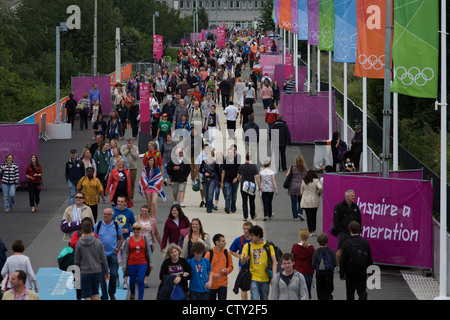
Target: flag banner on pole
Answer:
[[285, 15], [313, 22], [276, 10], [326, 25], [345, 31], [415, 48], [370, 43], [302, 6], [294, 16]]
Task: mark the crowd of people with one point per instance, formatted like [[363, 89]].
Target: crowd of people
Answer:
[[185, 128]]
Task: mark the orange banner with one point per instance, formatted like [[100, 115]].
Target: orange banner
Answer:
[[285, 15], [371, 35]]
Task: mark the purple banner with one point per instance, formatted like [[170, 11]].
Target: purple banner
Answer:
[[282, 72], [294, 16], [306, 116], [21, 140], [313, 22], [221, 37], [158, 46], [396, 216], [144, 106], [82, 85], [268, 62]]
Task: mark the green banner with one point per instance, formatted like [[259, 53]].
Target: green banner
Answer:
[[326, 25], [415, 48]]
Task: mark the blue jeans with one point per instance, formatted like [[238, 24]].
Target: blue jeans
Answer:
[[230, 192], [137, 271], [295, 205], [259, 290], [72, 192], [208, 189], [9, 195], [113, 266], [194, 295]]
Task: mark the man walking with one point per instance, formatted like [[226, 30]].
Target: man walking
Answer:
[[248, 173], [221, 266], [284, 139], [344, 213], [74, 172], [356, 257], [258, 254], [110, 234], [131, 152]]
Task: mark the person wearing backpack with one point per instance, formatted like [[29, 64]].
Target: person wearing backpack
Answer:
[[236, 250], [289, 284], [324, 262], [303, 252], [221, 266], [262, 263], [356, 257], [111, 236]]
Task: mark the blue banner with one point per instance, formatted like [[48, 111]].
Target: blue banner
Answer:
[[302, 19], [345, 32]]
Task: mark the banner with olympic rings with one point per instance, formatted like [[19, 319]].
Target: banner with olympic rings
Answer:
[[313, 22], [415, 49], [302, 6], [294, 16], [345, 31], [285, 15], [326, 25], [370, 48]]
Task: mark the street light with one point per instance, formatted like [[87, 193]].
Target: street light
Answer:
[[62, 27], [156, 14]]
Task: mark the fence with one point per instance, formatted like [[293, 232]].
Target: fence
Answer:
[[405, 158]]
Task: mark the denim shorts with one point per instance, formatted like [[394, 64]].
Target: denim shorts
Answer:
[[90, 282]]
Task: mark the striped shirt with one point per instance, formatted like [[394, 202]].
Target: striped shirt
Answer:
[[289, 87], [9, 173]]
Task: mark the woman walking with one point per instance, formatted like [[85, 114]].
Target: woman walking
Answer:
[[298, 172], [268, 187], [137, 260], [9, 171], [34, 176], [311, 190]]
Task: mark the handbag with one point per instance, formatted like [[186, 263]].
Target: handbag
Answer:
[[288, 180], [249, 187], [80, 106]]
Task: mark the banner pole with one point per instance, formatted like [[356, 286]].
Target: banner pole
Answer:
[[443, 185], [345, 105], [364, 126]]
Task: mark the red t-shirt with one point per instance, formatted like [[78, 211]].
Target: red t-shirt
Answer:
[[137, 252]]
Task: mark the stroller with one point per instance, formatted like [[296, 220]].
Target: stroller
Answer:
[[342, 161]]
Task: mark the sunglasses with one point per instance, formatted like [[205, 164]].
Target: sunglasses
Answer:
[[79, 197]]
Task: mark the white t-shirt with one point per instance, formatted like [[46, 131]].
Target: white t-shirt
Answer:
[[231, 112]]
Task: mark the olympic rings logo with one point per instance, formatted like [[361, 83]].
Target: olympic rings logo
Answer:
[[314, 35], [414, 75], [285, 24], [371, 62]]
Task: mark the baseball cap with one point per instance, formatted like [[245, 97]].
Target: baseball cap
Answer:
[[73, 151], [164, 115]]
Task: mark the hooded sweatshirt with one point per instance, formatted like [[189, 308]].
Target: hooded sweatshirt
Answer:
[[90, 255]]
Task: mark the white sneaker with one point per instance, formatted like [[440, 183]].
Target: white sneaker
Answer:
[[182, 205]]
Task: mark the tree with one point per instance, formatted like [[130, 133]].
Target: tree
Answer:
[[265, 21]]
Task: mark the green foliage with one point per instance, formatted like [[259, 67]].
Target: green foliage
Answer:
[[28, 45], [265, 21]]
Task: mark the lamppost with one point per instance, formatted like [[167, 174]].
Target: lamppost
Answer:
[[156, 14], [62, 27]]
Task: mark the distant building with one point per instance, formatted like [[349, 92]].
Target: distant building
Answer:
[[235, 13]]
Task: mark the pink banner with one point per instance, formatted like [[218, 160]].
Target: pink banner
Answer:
[[21, 140], [82, 85], [282, 72], [396, 216], [158, 46], [268, 62], [313, 22], [203, 34], [306, 115], [221, 37], [144, 106]]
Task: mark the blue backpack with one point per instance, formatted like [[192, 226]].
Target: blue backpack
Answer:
[[324, 263]]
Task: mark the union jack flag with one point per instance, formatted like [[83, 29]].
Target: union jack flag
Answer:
[[155, 182]]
